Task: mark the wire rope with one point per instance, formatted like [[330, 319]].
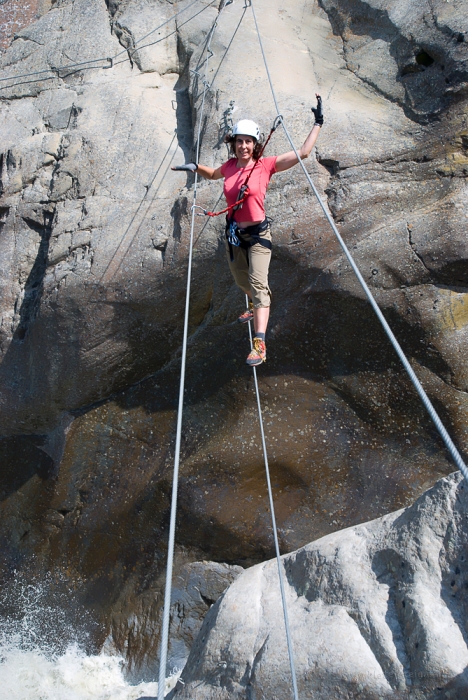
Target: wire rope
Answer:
[[105, 276], [175, 478], [50, 70], [404, 360], [274, 526], [107, 59], [178, 28], [229, 45], [164, 24]]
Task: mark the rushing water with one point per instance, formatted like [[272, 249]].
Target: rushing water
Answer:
[[73, 675], [46, 654]]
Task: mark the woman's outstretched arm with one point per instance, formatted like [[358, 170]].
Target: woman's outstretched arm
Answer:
[[209, 173], [287, 160]]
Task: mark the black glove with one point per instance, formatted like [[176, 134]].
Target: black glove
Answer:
[[187, 166], [318, 111]]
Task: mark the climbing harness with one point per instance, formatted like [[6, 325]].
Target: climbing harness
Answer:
[[235, 236]]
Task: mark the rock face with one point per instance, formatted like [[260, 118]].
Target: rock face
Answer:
[[196, 588], [93, 253], [377, 610]]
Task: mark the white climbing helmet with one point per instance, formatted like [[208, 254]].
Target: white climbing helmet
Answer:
[[246, 127]]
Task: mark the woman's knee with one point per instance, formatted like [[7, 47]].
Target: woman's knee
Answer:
[[261, 295]]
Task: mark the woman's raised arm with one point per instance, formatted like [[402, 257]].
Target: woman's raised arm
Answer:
[[287, 160]]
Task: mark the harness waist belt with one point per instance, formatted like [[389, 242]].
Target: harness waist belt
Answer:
[[236, 237], [255, 229]]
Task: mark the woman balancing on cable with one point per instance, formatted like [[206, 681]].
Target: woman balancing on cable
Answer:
[[248, 237]]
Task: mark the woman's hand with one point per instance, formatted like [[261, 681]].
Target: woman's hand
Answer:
[[203, 170], [318, 111], [187, 166]]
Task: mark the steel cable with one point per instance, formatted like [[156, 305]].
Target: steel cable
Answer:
[[110, 269], [105, 59], [164, 24], [274, 527], [404, 360], [175, 478]]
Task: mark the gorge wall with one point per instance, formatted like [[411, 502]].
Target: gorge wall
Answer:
[[93, 253]]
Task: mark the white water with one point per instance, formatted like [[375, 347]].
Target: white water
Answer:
[[32, 675], [43, 636]]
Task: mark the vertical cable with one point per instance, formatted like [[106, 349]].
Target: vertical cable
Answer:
[[273, 522], [175, 479]]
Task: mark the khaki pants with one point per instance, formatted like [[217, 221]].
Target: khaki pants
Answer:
[[250, 269]]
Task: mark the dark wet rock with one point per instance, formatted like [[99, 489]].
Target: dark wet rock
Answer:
[[197, 586]]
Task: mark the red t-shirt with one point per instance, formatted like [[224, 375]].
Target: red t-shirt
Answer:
[[234, 177]]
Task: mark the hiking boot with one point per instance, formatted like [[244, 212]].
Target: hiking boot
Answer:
[[247, 315], [258, 353]]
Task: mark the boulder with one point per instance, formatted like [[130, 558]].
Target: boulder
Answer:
[[375, 611]]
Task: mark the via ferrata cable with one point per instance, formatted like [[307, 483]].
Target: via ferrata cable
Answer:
[[405, 362], [109, 60], [175, 478], [135, 48], [115, 262], [273, 523]]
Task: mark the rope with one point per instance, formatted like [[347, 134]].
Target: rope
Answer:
[[175, 478], [229, 45], [162, 25], [107, 59], [111, 270], [273, 523], [145, 46], [406, 364]]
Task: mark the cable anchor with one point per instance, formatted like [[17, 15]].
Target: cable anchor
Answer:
[[197, 206], [111, 63]]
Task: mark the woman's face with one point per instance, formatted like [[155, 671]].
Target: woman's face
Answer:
[[244, 146]]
